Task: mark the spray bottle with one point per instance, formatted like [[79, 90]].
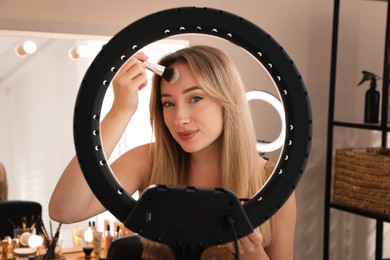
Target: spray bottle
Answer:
[[371, 105]]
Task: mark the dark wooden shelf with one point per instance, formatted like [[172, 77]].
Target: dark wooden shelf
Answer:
[[365, 126], [360, 212], [382, 127]]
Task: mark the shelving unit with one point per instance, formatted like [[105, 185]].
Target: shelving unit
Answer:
[[382, 127]]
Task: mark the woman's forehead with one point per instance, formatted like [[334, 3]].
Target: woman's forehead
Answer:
[[186, 80]]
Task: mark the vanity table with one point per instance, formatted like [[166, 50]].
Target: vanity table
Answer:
[[73, 253]]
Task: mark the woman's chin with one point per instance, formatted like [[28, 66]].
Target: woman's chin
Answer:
[[189, 148]]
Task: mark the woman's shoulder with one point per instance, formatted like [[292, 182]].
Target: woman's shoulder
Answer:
[[141, 155], [144, 151], [133, 168]]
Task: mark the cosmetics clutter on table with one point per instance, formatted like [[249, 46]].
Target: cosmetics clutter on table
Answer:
[[94, 242], [36, 242], [31, 241]]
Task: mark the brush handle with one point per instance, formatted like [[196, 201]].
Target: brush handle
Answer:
[[155, 68]]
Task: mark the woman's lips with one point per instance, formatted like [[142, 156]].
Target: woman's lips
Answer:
[[187, 135]]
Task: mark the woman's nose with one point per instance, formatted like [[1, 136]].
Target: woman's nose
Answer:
[[182, 117]]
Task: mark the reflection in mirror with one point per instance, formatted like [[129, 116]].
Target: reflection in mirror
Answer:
[[37, 97]]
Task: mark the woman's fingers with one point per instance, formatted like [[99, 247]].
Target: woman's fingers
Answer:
[[138, 57], [256, 237], [133, 76], [130, 70], [247, 244], [128, 80]]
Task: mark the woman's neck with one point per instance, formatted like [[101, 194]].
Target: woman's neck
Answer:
[[204, 170]]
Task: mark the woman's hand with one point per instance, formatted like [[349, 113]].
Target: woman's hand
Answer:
[[129, 79], [250, 247]]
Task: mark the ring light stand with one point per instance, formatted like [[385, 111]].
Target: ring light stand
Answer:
[[189, 219]]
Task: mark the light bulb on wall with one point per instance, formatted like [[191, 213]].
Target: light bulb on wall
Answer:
[[81, 51], [26, 48]]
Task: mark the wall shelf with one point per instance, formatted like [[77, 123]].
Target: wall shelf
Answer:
[[382, 127], [360, 212], [361, 126]]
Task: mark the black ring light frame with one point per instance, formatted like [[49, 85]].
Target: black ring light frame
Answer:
[[196, 20]]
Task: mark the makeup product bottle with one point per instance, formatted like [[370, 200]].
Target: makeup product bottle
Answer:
[[372, 98], [94, 226], [118, 230], [97, 243], [78, 236], [117, 233], [107, 239]]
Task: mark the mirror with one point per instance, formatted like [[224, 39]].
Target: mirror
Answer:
[[37, 97]]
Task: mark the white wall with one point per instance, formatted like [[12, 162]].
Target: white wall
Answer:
[[302, 27]]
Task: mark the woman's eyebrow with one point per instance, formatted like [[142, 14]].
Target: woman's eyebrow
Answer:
[[183, 92], [190, 89]]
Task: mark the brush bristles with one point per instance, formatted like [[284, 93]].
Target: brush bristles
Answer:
[[171, 75]]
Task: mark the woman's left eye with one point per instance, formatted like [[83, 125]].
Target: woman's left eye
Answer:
[[196, 99]]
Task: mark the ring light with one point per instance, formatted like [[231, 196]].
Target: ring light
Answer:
[[275, 103], [190, 20]]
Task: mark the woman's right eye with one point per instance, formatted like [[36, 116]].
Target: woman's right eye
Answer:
[[167, 104]]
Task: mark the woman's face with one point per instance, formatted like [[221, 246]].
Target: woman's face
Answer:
[[193, 119]]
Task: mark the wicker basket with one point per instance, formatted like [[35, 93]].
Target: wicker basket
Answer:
[[362, 179]]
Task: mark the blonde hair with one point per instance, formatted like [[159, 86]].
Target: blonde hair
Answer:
[[241, 167]]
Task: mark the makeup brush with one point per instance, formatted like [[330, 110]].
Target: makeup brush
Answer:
[[169, 74]]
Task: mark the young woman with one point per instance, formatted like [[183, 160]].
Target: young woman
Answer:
[[204, 137]]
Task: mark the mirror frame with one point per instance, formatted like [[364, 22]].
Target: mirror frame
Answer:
[[185, 20]]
